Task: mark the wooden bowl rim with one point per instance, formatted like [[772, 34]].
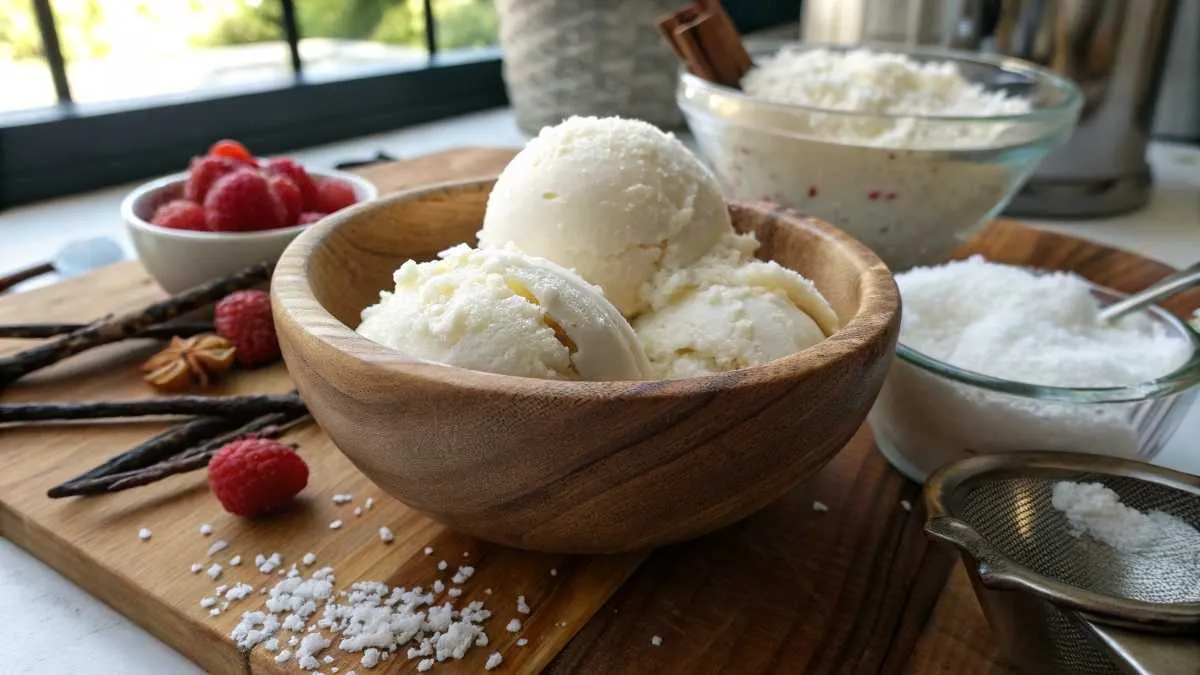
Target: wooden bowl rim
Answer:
[[293, 295]]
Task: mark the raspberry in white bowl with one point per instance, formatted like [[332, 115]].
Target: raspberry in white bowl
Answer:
[[230, 210]]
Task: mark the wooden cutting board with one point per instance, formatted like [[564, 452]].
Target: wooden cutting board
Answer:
[[857, 589]]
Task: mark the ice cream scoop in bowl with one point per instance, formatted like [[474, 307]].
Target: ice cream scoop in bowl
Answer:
[[562, 465]]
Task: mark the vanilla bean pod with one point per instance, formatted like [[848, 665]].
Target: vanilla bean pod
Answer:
[[229, 406], [161, 446], [52, 351], [37, 331], [267, 426]]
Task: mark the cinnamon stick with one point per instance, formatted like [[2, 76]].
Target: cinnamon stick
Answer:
[[170, 442], [104, 332], [38, 331], [229, 406], [705, 39], [267, 426]]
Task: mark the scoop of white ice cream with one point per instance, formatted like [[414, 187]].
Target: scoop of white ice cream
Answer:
[[501, 311], [730, 311], [616, 200]]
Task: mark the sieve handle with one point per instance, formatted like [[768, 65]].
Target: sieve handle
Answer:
[[1143, 654]]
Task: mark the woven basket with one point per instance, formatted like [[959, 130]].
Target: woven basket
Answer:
[[588, 57]]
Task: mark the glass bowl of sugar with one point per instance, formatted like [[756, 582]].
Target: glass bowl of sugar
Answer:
[[996, 358], [908, 149]]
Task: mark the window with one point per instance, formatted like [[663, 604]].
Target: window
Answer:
[[99, 92]]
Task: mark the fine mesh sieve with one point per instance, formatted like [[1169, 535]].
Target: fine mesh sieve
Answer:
[[1061, 603]]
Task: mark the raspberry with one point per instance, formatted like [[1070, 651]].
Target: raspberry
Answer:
[[204, 172], [252, 476], [180, 214], [244, 318], [233, 150], [310, 217], [242, 201], [287, 167], [286, 193], [333, 195]]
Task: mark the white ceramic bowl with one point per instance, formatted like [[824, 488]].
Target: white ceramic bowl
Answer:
[[181, 259]]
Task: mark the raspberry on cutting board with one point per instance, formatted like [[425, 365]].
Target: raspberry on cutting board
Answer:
[[253, 476], [180, 214], [243, 201], [244, 318]]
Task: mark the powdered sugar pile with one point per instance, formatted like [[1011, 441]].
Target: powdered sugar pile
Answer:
[[884, 84], [1039, 329], [1095, 510], [1013, 324]]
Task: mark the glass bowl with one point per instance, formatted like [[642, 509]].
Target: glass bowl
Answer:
[[930, 413], [909, 187]]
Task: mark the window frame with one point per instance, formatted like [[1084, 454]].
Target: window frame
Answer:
[[72, 148]]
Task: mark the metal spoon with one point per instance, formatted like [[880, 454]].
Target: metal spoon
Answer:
[[1173, 284], [77, 257]]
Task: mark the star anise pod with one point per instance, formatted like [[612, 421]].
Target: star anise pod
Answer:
[[189, 362]]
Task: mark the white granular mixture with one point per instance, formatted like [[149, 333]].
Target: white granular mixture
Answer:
[[885, 84], [1009, 323], [1095, 510], [904, 183]]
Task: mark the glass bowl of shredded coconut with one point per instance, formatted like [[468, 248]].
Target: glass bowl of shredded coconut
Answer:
[[906, 149], [996, 358]]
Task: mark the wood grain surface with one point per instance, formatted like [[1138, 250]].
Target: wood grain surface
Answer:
[[571, 466], [856, 589]]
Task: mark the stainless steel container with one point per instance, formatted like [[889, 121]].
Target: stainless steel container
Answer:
[[1114, 50]]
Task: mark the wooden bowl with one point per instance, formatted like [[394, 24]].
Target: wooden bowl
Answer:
[[573, 467]]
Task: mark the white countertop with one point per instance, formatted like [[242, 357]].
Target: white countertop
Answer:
[[62, 629]]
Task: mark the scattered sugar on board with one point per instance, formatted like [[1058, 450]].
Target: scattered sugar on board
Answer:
[[553, 572], [463, 573], [656, 640], [235, 561], [268, 564], [521, 642], [385, 535], [358, 511], [442, 565], [343, 499], [906, 505], [205, 529], [217, 546], [1010, 323], [335, 525], [144, 534], [197, 568], [820, 507], [308, 559], [369, 618], [513, 626], [428, 550], [493, 661], [214, 571], [522, 607], [369, 504], [1095, 510]]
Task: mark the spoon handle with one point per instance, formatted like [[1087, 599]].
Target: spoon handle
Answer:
[[1173, 284], [10, 280]]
